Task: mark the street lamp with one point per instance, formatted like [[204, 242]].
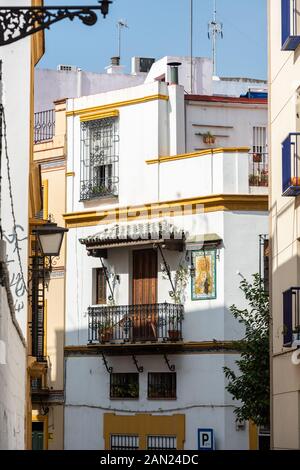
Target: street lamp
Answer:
[[18, 22], [50, 238]]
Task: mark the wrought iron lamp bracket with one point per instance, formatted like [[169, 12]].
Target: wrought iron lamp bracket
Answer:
[[140, 369], [109, 369], [19, 22], [171, 367]]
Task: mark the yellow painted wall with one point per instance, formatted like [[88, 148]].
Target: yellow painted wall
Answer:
[[144, 425]]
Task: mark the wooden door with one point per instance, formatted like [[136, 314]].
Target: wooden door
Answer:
[[144, 294]]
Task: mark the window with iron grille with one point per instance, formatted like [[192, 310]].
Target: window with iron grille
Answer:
[[99, 159], [161, 442], [124, 385], [259, 142], [123, 442], [100, 286], [162, 385]]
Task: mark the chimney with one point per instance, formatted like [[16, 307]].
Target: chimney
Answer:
[[174, 72], [115, 66]]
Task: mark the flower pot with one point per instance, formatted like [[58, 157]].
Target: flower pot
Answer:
[[257, 157], [174, 335], [105, 336], [295, 181], [208, 139]]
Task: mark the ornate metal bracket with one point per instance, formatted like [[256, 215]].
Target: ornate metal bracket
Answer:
[[140, 369], [18, 22], [167, 268], [109, 369], [171, 367]]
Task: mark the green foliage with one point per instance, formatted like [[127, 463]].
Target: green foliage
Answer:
[[252, 386]]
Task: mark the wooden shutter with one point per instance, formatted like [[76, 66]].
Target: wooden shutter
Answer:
[[100, 286]]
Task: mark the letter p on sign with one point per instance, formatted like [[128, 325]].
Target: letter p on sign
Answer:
[[206, 440]]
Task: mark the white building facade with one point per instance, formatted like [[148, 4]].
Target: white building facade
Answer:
[[165, 207]]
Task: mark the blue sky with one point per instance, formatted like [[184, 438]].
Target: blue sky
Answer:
[[161, 27]]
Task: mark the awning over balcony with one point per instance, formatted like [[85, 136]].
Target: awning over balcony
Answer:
[[131, 234]]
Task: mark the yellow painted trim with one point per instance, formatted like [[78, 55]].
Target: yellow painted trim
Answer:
[[144, 425], [118, 104], [45, 185], [42, 419], [221, 202], [253, 436], [93, 116], [70, 173], [200, 153]]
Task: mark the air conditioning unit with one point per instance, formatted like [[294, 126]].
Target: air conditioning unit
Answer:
[[142, 64], [67, 68]]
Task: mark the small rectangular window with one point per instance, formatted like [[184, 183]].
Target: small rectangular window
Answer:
[[124, 385], [100, 286], [124, 442], [161, 442], [162, 385]]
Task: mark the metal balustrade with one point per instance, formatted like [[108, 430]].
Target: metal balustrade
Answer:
[[291, 316], [135, 323], [258, 169], [44, 125], [290, 26], [291, 165]]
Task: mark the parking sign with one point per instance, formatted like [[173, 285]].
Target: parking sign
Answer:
[[206, 439]]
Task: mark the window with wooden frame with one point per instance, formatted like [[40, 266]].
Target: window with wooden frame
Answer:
[[124, 385], [100, 283], [162, 385]]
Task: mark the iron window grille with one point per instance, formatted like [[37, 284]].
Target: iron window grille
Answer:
[[258, 161], [162, 385], [291, 316], [44, 125], [123, 385], [291, 165], [161, 442], [99, 159], [124, 442], [290, 24]]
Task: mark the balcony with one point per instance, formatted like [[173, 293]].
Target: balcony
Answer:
[[290, 165], [290, 27], [291, 317], [258, 169], [44, 125], [155, 323]]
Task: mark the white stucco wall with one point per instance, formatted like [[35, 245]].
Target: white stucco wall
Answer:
[[52, 85], [12, 379], [200, 397], [16, 63], [146, 131]]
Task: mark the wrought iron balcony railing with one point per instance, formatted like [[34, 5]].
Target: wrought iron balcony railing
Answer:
[[291, 317], [44, 125], [290, 26], [98, 187], [291, 165], [135, 323], [258, 169]]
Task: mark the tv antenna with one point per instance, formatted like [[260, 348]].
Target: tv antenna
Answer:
[[215, 30], [121, 24]]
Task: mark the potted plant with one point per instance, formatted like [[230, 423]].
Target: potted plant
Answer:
[[174, 320], [257, 157], [295, 181], [208, 138], [105, 331]]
